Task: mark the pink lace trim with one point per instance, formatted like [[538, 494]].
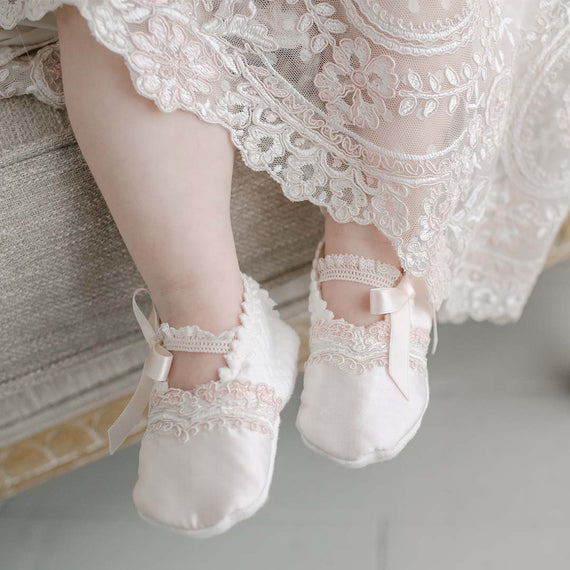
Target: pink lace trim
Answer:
[[244, 392], [234, 404], [356, 349], [185, 432], [360, 366], [378, 332]]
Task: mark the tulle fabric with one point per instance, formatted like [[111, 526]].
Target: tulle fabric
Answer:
[[445, 123]]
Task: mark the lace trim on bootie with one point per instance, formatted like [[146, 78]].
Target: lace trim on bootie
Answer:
[[234, 404], [349, 267], [357, 348], [194, 339]]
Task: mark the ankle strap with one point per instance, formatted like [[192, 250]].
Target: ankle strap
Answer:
[[347, 267], [161, 338], [194, 339]]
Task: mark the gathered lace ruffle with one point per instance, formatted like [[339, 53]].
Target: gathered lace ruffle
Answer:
[[444, 124]]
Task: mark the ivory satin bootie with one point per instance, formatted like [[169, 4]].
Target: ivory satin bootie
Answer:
[[206, 459], [365, 387]]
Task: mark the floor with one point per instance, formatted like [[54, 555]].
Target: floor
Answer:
[[484, 485]]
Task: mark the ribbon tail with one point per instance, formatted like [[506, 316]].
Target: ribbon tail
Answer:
[[435, 335], [156, 368], [398, 358], [131, 415]]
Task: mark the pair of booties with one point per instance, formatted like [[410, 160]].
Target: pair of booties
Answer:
[[207, 457]]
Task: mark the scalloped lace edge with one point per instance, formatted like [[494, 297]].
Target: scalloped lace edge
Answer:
[[350, 267], [195, 339]]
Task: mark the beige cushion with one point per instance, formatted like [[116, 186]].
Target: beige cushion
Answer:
[[69, 339]]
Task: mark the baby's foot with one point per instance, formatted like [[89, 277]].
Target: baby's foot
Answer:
[[348, 300], [206, 459], [365, 384]]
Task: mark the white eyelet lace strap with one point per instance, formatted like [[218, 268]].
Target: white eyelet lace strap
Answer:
[[398, 303], [156, 367]]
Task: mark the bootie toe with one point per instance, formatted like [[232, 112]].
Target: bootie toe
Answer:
[[206, 459]]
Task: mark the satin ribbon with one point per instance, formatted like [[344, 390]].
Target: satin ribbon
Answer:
[[435, 336], [156, 367], [397, 302]]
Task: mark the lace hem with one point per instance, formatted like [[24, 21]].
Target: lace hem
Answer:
[[426, 123], [326, 145], [216, 404], [349, 267]]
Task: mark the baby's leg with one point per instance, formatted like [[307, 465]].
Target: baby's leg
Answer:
[[166, 178]]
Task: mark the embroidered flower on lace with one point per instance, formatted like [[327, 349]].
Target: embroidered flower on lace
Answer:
[[213, 405], [455, 83], [437, 211], [355, 85], [304, 176], [46, 76], [234, 110], [11, 13], [263, 147], [173, 68], [416, 256], [391, 214], [111, 26]]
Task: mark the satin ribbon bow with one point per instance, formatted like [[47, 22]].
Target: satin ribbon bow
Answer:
[[397, 302], [156, 367]]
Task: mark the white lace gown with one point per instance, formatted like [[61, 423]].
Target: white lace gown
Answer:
[[445, 123]]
